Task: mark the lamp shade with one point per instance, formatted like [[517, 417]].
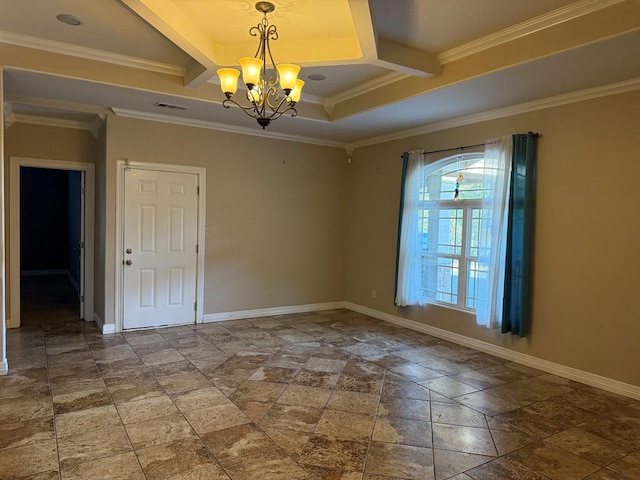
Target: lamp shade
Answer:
[[251, 68], [228, 80], [297, 90], [288, 73]]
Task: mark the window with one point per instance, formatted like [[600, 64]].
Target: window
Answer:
[[450, 229], [465, 232]]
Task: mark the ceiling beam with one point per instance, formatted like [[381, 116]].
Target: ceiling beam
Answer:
[[405, 59], [197, 75], [171, 22], [387, 53]]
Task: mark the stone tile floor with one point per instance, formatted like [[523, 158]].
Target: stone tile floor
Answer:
[[326, 395]]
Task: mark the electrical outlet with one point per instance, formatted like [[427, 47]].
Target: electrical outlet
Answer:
[[374, 294]]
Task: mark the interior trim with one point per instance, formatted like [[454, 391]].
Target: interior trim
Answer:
[[558, 369], [118, 300], [47, 121], [89, 53], [564, 371], [540, 104], [222, 127], [547, 20], [15, 163], [267, 312]]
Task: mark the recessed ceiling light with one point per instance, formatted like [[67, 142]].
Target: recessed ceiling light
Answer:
[[316, 77], [69, 19]]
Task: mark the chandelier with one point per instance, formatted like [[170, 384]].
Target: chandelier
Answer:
[[270, 97]]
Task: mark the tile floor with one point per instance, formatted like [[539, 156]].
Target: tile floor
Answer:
[[331, 395]]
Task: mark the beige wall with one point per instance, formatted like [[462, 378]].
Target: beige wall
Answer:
[[53, 143], [100, 224], [45, 142], [275, 212], [3, 276], [587, 230]]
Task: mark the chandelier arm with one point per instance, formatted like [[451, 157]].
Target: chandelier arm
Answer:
[[256, 113], [267, 100], [288, 107], [280, 102], [275, 116], [271, 33], [251, 111]]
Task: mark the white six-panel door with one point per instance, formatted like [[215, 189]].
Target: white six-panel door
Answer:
[[160, 248]]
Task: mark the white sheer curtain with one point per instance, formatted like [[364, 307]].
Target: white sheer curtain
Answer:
[[493, 229], [409, 252]]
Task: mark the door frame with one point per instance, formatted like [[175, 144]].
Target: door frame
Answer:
[[122, 165], [15, 163]]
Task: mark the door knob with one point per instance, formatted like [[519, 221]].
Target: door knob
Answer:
[[128, 250], [128, 262]]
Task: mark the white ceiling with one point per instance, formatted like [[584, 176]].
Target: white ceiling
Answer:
[[422, 63]]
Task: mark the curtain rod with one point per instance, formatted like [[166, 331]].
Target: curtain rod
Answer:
[[452, 149], [536, 135], [455, 148]]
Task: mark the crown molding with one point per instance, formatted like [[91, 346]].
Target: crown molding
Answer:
[[9, 117], [564, 14], [90, 53], [557, 100], [49, 121], [223, 127], [555, 17], [96, 123], [366, 87]]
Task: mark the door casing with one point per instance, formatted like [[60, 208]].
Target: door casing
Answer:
[[123, 164], [15, 163]]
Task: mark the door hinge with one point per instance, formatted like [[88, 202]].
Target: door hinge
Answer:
[[197, 248], [195, 306], [82, 298], [81, 244], [198, 190]]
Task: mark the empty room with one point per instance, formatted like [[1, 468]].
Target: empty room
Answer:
[[340, 240]]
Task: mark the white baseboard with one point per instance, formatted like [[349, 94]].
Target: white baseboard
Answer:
[[564, 371], [581, 376], [267, 312], [105, 329], [4, 367]]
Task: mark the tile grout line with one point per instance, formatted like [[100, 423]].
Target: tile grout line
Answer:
[[53, 409], [173, 402], [116, 407]]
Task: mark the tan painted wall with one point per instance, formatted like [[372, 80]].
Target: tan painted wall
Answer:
[[39, 141], [586, 285], [53, 143], [274, 212], [100, 224], [3, 273]]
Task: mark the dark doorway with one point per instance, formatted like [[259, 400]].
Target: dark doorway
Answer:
[[50, 236]]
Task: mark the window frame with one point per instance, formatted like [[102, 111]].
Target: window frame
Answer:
[[467, 206]]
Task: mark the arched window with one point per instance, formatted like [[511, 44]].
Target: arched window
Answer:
[[466, 231], [450, 218]]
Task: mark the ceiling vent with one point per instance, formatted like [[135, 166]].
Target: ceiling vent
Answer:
[[170, 106]]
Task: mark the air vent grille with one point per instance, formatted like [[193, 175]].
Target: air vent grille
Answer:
[[170, 106]]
